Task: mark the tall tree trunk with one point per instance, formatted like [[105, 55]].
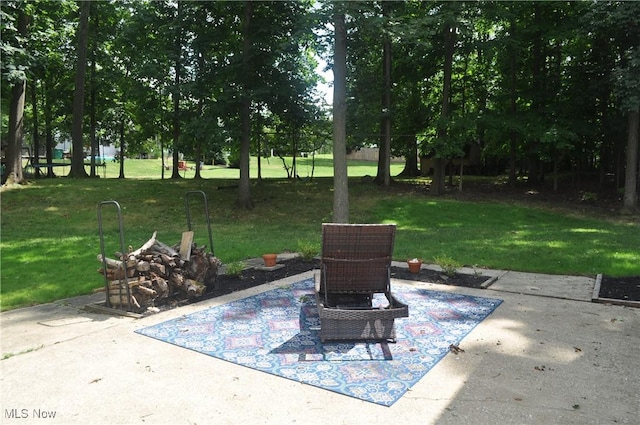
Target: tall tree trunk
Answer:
[[513, 94], [259, 139], [410, 140], [538, 75], [607, 146], [411, 158], [122, 149], [36, 130], [384, 151], [77, 154], [294, 142], [162, 150], [439, 163], [630, 200], [199, 140], [244, 189], [92, 99], [92, 117], [13, 170], [48, 128], [175, 173], [198, 159], [340, 175]]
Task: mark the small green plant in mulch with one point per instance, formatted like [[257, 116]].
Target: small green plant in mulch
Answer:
[[589, 197], [448, 265], [235, 268], [308, 250]]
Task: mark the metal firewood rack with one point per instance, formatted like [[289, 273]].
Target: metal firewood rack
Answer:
[[206, 213], [124, 291]]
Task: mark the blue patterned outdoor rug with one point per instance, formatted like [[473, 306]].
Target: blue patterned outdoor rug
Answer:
[[278, 332]]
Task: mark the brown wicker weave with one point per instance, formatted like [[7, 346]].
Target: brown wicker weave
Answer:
[[356, 261]]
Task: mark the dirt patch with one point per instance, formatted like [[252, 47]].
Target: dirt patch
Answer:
[[432, 276], [620, 288]]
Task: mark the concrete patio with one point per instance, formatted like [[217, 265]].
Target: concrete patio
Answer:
[[547, 355]]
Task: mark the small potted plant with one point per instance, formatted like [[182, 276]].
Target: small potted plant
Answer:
[[414, 265], [270, 259]]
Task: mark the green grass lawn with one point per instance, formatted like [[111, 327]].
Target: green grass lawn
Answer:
[[50, 237], [272, 167]]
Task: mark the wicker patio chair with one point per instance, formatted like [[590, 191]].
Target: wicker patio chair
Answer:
[[355, 265]]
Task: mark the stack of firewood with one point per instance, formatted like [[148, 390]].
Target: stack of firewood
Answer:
[[157, 273]]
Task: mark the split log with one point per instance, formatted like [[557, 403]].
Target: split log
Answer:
[[140, 291], [158, 268], [168, 260], [186, 245], [147, 291], [121, 284], [177, 280], [161, 285], [165, 249], [143, 266], [117, 300], [194, 288], [115, 264], [117, 274], [147, 245]]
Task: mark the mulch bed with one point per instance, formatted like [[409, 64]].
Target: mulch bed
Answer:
[[253, 277], [432, 276], [620, 288]]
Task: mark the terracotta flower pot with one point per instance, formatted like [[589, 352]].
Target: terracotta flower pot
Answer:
[[414, 265], [270, 259]]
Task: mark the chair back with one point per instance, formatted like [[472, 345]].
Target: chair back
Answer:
[[356, 257]]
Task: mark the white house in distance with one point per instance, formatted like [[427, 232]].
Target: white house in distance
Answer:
[[105, 152], [369, 154]]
